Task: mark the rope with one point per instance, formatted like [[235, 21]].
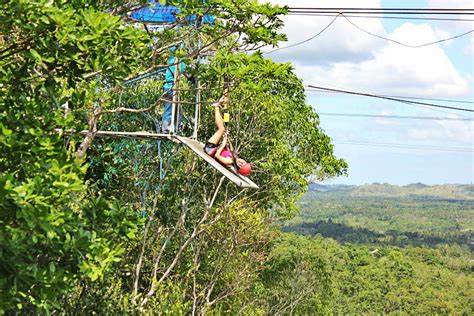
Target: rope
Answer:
[[226, 123]]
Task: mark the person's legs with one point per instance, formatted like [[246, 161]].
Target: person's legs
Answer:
[[215, 139], [166, 117]]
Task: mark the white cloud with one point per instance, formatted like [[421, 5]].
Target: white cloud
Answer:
[[395, 69], [346, 57], [453, 4], [385, 121], [469, 50], [339, 42], [455, 132], [455, 28]]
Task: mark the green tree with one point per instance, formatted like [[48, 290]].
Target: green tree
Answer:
[[55, 230], [204, 240], [296, 280]]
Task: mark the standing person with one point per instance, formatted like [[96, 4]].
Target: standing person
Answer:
[[168, 88], [221, 151]]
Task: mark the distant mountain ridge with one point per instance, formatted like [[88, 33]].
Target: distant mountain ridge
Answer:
[[451, 191], [329, 188]]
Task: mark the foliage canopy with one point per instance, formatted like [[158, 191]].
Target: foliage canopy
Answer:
[[144, 224]]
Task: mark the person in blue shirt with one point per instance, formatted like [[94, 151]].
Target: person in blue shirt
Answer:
[[168, 88]]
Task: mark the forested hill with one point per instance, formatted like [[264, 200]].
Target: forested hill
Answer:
[[389, 249], [415, 214], [419, 190]]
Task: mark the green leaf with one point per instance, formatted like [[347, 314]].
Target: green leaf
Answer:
[[35, 54]]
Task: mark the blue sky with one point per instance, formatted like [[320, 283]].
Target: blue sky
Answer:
[[346, 58]]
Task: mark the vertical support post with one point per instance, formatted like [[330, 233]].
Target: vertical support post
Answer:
[[197, 110], [198, 88], [174, 106]]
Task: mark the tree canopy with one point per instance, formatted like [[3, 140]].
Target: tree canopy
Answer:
[[125, 225]]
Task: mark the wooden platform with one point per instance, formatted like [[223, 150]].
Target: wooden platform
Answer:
[[138, 135], [194, 145]]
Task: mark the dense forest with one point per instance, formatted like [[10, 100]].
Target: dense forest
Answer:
[[110, 226], [416, 214], [390, 249]]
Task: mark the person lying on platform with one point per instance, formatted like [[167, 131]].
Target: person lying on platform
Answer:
[[221, 152]]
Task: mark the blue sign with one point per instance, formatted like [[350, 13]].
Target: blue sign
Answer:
[[161, 13]]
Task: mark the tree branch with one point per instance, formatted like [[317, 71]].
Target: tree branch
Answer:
[[142, 251], [94, 119], [196, 232]]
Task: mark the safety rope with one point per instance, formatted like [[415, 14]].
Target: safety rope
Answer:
[[226, 119]]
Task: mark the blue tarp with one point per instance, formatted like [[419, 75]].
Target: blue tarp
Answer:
[[160, 13]]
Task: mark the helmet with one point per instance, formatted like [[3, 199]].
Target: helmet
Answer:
[[245, 169]]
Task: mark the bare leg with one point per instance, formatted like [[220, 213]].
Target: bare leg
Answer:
[[215, 139]]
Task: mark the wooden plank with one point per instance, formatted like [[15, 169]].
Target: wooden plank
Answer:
[[139, 135], [194, 145], [198, 148]]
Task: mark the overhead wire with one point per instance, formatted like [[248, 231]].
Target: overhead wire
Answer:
[[371, 34], [403, 44], [380, 12], [306, 40], [426, 11], [384, 9], [416, 105], [383, 17], [397, 98], [434, 118], [407, 146], [390, 98], [409, 97], [339, 91]]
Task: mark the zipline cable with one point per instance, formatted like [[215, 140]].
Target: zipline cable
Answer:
[[407, 146], [405, 97], [416, 105], [389, 98], [398, 117]]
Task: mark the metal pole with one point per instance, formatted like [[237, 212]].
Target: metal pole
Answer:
[[175, 96], [198, 94], [196, 111]]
